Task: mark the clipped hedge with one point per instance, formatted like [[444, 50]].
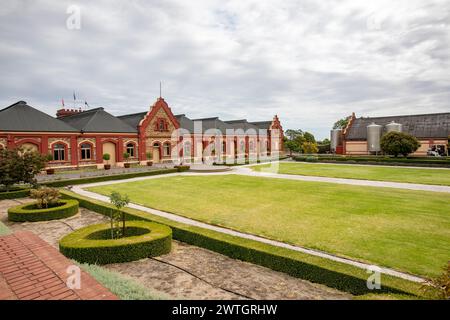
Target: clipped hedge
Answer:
[[29, 212], [91, 244], [315, 269], [413, 161], [182, 168], [14, 194], [63, 183]]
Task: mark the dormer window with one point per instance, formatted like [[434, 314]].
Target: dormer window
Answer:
[[161, 125]]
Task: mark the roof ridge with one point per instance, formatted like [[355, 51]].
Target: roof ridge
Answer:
[[16, 103], [84, 112], [407, 115], [89, 121], [131, 114]]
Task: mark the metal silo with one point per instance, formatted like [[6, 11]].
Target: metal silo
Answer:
[[373, 137], [394, 126], [336, 139]]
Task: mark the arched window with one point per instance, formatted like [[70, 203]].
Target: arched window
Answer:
[[130, 149], [86, 151], [166, 149], [59, 153]]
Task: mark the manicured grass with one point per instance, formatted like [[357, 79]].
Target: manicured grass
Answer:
[[411, 175], [122, 286], [406, 230], [4, 230]]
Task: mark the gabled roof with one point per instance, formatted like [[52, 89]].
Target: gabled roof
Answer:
[[133, 119], [434, 125], [98, 120], [243, 124], [21, 117], [213, 123], [262, 124], [185, 122]]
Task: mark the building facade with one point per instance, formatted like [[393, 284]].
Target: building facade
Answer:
[[80, 138], [362, 135]]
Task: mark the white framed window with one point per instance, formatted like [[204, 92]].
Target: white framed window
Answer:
[[59, 152], [130, 149], [86, 151]]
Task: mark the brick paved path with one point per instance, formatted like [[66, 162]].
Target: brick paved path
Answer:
[[32, 269]]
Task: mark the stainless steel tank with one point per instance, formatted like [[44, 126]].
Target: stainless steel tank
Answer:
[[335, 139], [373, 137], [393, 126]]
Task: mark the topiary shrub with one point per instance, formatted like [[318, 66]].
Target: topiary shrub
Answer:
[[93, 244], [30, 212], [182, 168], [14, 194]]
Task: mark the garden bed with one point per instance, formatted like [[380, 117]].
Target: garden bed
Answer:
[[29, 212], [92, 244]]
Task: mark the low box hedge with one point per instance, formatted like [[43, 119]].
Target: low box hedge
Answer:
[[333, 274], [14, 194], [91, 244], [29, 212], [182, 168], [63, 183]]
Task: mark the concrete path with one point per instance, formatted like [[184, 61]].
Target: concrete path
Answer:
[[80, 190], [368, 183]]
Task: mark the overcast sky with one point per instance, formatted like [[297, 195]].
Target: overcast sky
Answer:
[[310, 62]]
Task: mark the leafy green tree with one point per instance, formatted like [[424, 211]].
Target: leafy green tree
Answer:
[[293, 134], [309, 137], [19, 166], [341, 123], [292, 146], [119, 201], [395, 143]]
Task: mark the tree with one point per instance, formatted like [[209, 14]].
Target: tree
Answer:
[[119, 202], [292, 146], [293, 134], [45, 197], [341, 123], [309, 147], [19, 166], [309, 137], [395, 143]]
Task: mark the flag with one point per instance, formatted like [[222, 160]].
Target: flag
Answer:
[[86, 104], [62, 101], [74, 97]]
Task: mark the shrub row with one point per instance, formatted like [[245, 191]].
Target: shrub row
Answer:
[[29, 212], [145, 239], [64, 183], [14, 194], [182, 168], [315, 269], [378, 160]]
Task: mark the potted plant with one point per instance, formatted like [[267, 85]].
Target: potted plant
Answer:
[[106, 157], [126, 156], [149, 156], [49, 158]]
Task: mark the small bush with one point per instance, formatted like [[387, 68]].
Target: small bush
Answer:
[[182, 168], [30, 212], [84, 245], [311, 159], [45, 197], [396, 143]]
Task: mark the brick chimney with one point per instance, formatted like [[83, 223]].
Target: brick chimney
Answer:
[[61, 113]]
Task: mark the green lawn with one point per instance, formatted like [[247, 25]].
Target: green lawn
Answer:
[[406, 230], [365, 172]]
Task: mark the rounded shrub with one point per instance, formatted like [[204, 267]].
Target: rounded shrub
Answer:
[[30, 212], [311, 159], [182, 168], [93, 244]]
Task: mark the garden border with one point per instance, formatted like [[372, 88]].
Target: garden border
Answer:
[[301, 265], [155, 242], [21, 214]]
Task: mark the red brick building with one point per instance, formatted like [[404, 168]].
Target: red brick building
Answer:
[[80, 138]]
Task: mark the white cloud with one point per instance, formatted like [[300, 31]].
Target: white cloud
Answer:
[[310, 62]]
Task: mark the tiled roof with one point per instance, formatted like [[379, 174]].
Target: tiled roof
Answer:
[[98, 120], [22, 117], [435, 125], [133, 119]]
